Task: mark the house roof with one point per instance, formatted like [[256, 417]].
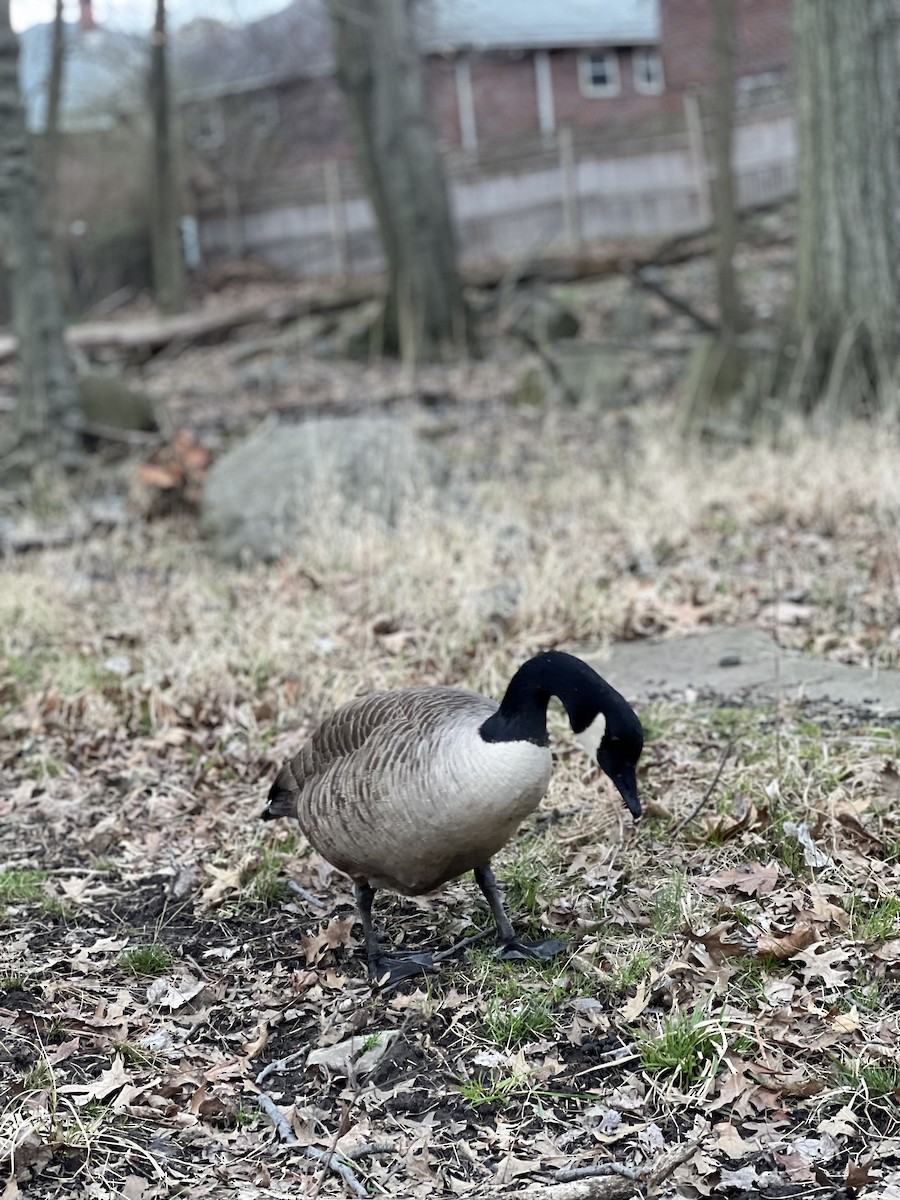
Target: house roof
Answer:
[[213, 59], [537, 24]]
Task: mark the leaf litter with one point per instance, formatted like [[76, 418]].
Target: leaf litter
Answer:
[[729, 985]]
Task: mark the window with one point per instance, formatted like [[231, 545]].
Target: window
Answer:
[[204, 126], [264, 112], [598, 73], [647, 69]]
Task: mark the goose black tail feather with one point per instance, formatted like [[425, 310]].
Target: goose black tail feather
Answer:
[[282, 798]]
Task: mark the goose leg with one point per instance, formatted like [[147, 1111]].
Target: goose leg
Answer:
[[512, 946], [385, 970]]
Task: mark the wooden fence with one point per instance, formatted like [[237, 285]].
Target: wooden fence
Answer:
[[553, 197]]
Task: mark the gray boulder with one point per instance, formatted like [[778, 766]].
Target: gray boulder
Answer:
[[286, 482]]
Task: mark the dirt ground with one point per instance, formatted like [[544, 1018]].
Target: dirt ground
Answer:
[[184, 1009]]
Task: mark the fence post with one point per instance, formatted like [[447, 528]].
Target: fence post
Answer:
[[232, 204], [335, 201], [694, 123], [571, 216]]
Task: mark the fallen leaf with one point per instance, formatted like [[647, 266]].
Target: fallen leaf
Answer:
[[802, 935], [753, 878], [820, 963], [113, 1079], [720, 946], [332, 936], [170, 992], [779, 992], [812, 855], [635, 1005], [362, 1053], [862, 1173], [847, 1022], [225, 880], [729, 1141]]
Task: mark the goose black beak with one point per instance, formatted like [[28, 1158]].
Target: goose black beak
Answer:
[[626, 785]]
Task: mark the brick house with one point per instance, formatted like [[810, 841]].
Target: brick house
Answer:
[[509, 81], [496, 71], [505, 69]]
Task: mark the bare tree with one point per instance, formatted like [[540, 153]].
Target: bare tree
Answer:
[[54, 95], [723, 197], [848, 293], [47, 415], [380, 73], [168, 267]]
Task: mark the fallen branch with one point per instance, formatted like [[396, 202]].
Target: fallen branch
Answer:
[[567, 1174], [647, 278], [327, 1157], [604, 1188]]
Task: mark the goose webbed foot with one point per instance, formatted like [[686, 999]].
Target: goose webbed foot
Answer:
[[512, 946], [524, 948], [387, 970]]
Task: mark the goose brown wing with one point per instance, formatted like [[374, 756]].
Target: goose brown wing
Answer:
[[370, 728]]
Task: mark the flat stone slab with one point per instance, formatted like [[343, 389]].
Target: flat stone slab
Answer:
[[745, 666]]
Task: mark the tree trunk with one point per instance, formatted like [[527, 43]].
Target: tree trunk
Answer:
[[716, 387], [848, 296], [169, 282], [380, 73], [47, 415], [724, 208], [54, 94]]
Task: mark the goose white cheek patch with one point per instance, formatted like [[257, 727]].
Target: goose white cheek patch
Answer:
[[591, 737]]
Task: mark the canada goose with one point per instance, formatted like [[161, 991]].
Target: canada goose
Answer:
[[407, 789]]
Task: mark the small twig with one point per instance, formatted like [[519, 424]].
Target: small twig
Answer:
[[306, 895], [469, 941], [705, 798], [368, 1148], [328, 1157], [280, 1064], [566, 1174]]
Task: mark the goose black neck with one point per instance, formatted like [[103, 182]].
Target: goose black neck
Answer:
[[522, 715]]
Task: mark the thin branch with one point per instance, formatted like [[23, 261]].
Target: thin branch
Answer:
[[469, 941], [280, 1064], [647, 277], [705, 798], [306, 895]]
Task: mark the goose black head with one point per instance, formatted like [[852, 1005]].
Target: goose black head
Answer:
[[615, 737], [602, 720]]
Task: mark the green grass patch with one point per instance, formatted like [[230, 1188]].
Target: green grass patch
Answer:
[[264, 881], [873, 921], [687, 1047], [513, 1022], [152, 959], [22, 885], [876, 1080], [666, 913]]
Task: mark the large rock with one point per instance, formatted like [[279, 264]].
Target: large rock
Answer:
[[540, 317], [265, 494]]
